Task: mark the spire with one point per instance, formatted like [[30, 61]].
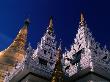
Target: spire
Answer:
[[60, 44], [29, 48], [82, 19], [29, 52], [51, 24], [16, 50], [57, 75], [46, 49]]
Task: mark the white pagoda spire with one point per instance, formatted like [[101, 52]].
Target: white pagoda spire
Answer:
[[83, 37], [85, 52], [83, 40], [46, 49]]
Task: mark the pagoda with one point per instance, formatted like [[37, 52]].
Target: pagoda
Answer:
[[15, 53], [86, 61], [38, 64]]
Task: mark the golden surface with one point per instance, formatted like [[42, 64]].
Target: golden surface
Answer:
[[57, 75], [15, 52], [51, 24], [82, 19]]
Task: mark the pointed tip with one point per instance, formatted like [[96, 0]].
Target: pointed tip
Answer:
[[105, 46], [82, 19], [60, 45], [51, 22], [65, 49], [29, 44], [50, 27], [51, 17], [27, 21]]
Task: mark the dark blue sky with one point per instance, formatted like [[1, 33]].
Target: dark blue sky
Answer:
[[66, 14]]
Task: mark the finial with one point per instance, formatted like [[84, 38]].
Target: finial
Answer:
[[60, 45], [29, 45], [105, 47], [65, 49], [51, 22], [82, 19], [27, 21]]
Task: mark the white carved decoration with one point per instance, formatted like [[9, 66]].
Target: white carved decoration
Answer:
[[46, 50], [93, 55], [89, 52]]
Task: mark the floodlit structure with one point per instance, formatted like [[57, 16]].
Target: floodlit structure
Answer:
[[86, 61]]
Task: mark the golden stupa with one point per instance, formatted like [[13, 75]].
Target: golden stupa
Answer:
[[15, 52]]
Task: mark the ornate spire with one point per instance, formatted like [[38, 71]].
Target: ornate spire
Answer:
[[16, 50], [44, 55], [82, 20], [60, 44], [51, 24], [57, 75], [29, 52], [83, 40]]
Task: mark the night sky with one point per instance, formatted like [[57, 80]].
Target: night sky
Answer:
[[66, 16]]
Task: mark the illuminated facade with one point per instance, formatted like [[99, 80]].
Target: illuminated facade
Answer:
[[85, 62]]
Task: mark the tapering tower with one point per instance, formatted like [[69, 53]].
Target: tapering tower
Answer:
[[45, 52], [58, 74], [15, 52], [38, 64], [86, 57]]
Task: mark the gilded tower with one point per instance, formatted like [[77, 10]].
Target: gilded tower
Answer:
[[57, 75], [14, 53]]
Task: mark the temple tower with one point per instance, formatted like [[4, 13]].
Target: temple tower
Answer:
[[14, 53], [87, 61], [38, 64], [46, 49]]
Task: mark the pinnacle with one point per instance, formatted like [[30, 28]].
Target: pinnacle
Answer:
[[27, 21], [82, 19], [51, 22]]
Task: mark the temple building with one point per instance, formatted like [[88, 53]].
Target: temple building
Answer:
[[86, 61]]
